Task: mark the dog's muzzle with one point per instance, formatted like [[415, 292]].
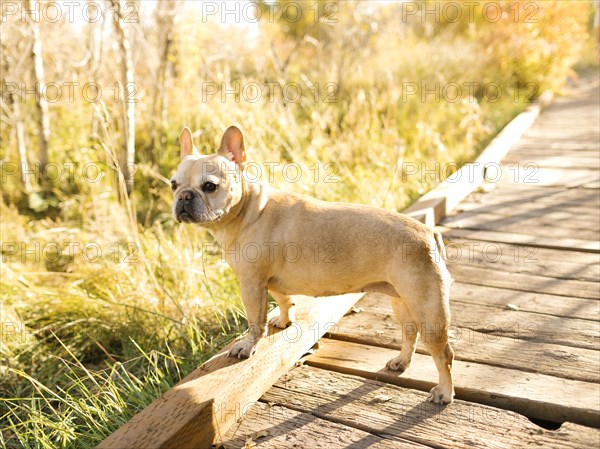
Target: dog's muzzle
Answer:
[[188, 207]]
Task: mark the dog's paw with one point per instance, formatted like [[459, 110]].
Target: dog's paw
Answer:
[[397, 364], [279, 323], [439, 395], [243, 349]]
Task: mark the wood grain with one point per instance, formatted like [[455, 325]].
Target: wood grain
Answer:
[[564, 220], [535, 395], [268, 426], [489, 198], [376, 326], [503, 321], [201, 408], [534, 302], [390, 410], [521, 238], [524, 259], [584, 229], [493, 277]]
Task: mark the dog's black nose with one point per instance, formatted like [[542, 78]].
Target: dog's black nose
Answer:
[[187, 195]]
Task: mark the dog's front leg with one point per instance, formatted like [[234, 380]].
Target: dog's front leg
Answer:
[[254, 296]]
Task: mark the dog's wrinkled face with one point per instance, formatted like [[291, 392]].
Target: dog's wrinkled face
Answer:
[[206, 188]]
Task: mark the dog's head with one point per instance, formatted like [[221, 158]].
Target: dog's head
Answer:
[[206, 188]]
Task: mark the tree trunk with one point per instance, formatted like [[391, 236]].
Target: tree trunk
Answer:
[[41, 105], [14, 107], [128, 98], [20, 132], [165, 18], [95, 57]]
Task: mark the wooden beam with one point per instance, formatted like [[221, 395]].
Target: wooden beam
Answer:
[[200, 409]]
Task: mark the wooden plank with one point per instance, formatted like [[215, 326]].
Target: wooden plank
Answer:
[[378, 327], [503, 206], [514, 238], [568, 160], [201, 408], [472, 346], [558, 145], [390, 410], [534, 395], [534, 196], [486, 275], [559, 306], [476, 301], [566, 134], [543, 218], [268, 426], [523, 259], [545, 176], [585, 237], [573, 151], [535, 228], [526, 325]]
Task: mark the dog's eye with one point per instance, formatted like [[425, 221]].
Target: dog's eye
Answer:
[[209, 187], [173, 185]]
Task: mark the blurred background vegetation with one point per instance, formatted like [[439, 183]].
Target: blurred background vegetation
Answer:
[[105, 301]]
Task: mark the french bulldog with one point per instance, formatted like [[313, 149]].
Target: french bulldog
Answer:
[[364, 249]]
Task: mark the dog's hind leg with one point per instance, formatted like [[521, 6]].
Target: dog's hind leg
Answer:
[[410, 335], [434, 319], [430, 310]]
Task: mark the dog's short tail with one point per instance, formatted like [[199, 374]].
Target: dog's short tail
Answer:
[[440, 244]]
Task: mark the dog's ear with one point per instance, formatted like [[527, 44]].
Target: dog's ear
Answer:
[[186, 143], [232, 145]]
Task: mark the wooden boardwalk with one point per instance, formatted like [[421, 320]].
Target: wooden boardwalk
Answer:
[[525, 255]]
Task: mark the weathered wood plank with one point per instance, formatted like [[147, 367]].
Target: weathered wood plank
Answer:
[[489, 222], [520, 253], [531, 307], [567, 134], [390, 410], [510, 189], [523, 259], [378, 327], [268, 426], [531, 394], [514, 238], [542, 218], [546, 177], [493, 277], [565, 160], [526, 325], [491, 193], [507, 207], [559, 306], [538, 150], [204, 405], [558, 145]]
